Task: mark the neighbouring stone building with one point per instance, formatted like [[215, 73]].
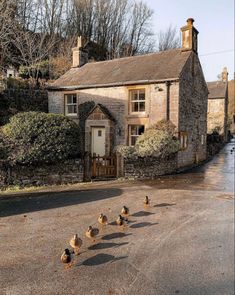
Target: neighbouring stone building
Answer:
[[123, 97], [231, 106], [217, 116]]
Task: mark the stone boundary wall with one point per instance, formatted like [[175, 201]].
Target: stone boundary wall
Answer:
[[70, 171], [148, 168]]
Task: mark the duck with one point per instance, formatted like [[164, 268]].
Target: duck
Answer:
[[76, 244], [103, 220], [66, 256], [125, 210], [91, 232], [121, 221], [147, 201]]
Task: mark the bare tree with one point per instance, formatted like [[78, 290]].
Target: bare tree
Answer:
[[168, 39], [35, 30]]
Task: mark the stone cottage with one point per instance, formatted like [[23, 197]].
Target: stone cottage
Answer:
[[127, 95], [217, 116]]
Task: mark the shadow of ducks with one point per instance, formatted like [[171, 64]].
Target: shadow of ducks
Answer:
[[143, 224], [116, 235], [101, 259], [101, 246]]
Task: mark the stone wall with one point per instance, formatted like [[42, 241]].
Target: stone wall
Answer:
[[193, 94], [70, 171], [216, 115], [148, 168]]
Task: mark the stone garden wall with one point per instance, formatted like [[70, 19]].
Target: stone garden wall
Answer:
[[70, 171], [148, 168]]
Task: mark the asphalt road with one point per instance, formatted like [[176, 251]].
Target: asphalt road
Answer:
[[182, 244]]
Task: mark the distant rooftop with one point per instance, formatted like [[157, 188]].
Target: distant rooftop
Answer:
[[217, 89]]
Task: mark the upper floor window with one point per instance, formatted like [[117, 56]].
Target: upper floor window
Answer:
[[71, 104], [137, 101]]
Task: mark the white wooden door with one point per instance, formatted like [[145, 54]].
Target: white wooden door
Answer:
[[98, 141]]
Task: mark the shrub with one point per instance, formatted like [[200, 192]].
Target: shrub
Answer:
[[40, 138], [4, 147], [126, 151], [157, 141]]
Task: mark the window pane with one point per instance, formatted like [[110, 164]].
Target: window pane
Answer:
[[71, 109], [69, 99], [134, 95], [74, 98], [142, 96], [133, 140], [141, 106], [135, 107], [140, 129], [133, 130]]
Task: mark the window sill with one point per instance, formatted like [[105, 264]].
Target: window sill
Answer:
[[72, 115], [138, 115]]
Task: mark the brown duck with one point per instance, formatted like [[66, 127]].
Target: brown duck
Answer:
[[76, 244]]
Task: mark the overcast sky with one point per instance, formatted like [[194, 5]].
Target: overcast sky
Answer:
[[214, 19]]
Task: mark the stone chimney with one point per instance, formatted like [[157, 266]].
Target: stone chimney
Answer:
[[189, 36], [80, 54], [224, 75]]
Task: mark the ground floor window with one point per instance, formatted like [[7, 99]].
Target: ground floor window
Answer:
[[70, 104], [183, 137], [134, 132]]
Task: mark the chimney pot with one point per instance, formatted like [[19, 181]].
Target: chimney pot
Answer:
[[190, 21]]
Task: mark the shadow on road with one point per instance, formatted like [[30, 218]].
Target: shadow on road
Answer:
[[164, 205], [142, 214], [43, 201], [142, 224], [101, 259], [115, 236], [100, 246]]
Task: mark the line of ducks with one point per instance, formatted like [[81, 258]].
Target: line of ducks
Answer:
[[92, 232]]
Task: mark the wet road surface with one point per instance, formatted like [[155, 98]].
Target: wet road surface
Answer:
[[182, 244]]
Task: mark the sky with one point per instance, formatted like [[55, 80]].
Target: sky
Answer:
[[214, 19]]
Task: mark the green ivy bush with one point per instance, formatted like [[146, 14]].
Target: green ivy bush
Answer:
[[40, 138], [157, 141]]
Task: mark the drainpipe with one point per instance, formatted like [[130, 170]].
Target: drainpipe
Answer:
[[168, 84]]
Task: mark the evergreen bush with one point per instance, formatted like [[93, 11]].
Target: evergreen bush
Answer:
[[40, 138]]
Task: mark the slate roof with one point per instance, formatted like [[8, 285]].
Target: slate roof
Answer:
[[146, 68], [217, 89]]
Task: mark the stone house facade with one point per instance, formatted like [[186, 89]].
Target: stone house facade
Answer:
[[128, 95], [231, 106], [217, 116]]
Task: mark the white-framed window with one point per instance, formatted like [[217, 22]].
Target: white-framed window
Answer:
[[134, 132], [70, 104], [183, 136], [137, 101]]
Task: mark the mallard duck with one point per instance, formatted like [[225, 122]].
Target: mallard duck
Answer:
[[91, 232], [121, 221], [125, 210], [76, 244], [147, 201], [103, 219], [66, 256]]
